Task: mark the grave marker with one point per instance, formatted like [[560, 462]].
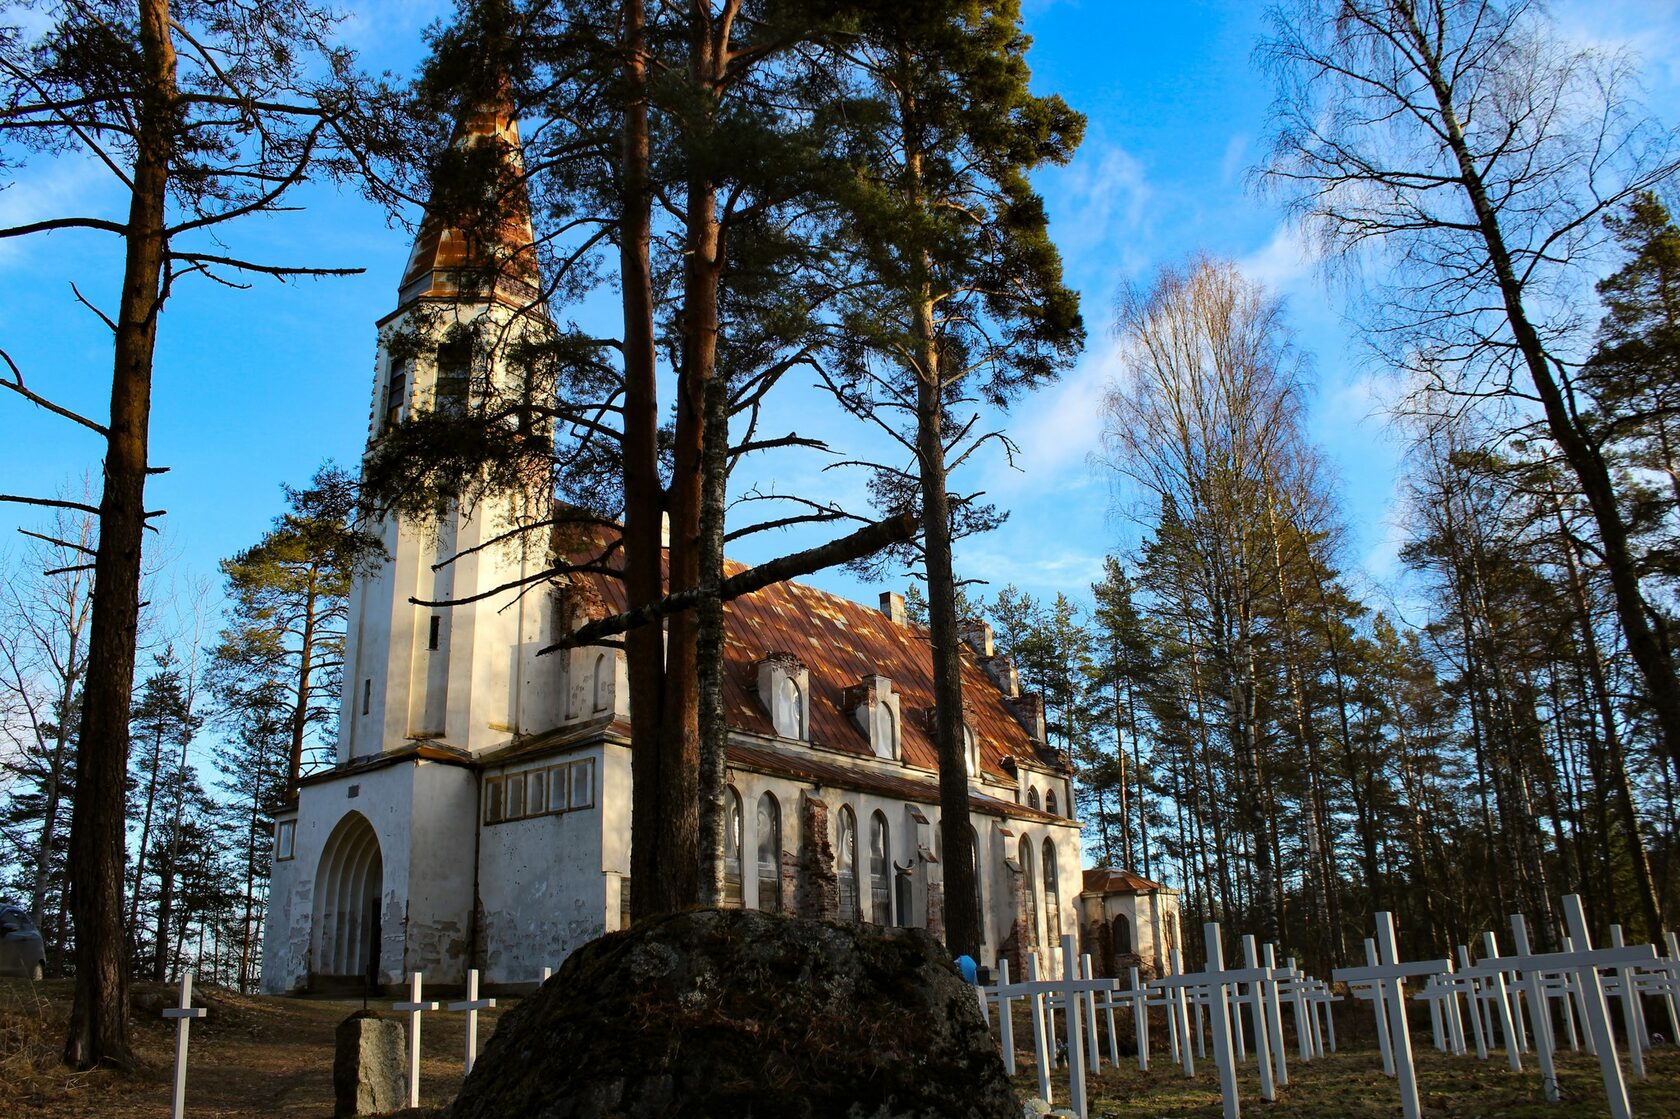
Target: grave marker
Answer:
[[184, 1014], [472, 1004], [1388, 979], [414, 1007]]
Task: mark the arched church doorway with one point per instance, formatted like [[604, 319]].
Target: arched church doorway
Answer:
[[348, 888]]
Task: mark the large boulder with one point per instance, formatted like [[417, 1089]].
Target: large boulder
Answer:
[[737, 1013]]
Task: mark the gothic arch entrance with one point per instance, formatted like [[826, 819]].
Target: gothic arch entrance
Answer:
[[348, 888]]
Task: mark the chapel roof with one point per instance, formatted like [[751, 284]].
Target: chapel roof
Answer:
[[840, 642], [459, 252], [1118, 880]]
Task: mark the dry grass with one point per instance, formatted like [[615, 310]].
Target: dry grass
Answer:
[[266, 1058], [253, 1057], [1351, 1085]]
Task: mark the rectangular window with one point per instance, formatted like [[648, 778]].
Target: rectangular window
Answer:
[[454, 370], [583, 784], [285, 840], [396, 393], [536, 787], [367, 694], [556, 778], [433, 634], [516, 798], [493, 812]]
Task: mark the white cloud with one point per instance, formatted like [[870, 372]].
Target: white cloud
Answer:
[[1283, 263], [1099, 206], [48, 187]]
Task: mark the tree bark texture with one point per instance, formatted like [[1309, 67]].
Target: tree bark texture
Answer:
[[98, 1032]]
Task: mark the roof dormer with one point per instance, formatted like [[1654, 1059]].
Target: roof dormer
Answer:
[[784, 688], [875, 709]]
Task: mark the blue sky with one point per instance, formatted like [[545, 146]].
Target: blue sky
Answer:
[[256, 388]]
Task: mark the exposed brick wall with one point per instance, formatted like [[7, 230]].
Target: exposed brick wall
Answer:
[[936, 910], [1016, 946], [818, 892], [790, 881]]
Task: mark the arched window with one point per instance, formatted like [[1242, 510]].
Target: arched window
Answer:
[[971, 750], [846, 858], [789, 715], [1050, 801], [603, 683], [1032, 797], [1052, 897], [880, 871], [886, 732], [1122, 935], [979, 891], [1029, 891], [769, 854], [732, 848]]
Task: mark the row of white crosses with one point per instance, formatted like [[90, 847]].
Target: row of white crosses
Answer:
[[1193, 1002], [1496, 989], [415, 1006]]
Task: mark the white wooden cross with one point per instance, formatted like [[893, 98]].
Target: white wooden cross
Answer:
[[1539, 1009], [472, 1004], [1580, 959], [1256, 999], [1140, 1020], [1090, 1002], [1070, 987], [414, 1007], [1216, 981], [183, 1015], [1633, 1015], [1389, 977], [1274, 1010], [1372, 991], [1501, 998], [1006, 1020], [1292, 985]]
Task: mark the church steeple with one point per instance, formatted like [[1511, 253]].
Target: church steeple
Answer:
[[442, 636], [475, 241]]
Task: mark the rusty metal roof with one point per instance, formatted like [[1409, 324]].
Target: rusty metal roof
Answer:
[[840, 642], [448, 262], [1117, 880]]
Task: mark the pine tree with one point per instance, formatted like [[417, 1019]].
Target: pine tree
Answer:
[[290, 595]]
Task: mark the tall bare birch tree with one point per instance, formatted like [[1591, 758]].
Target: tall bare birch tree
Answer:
[[1474, 153]]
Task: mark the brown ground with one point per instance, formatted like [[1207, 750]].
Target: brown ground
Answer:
[[252, 1058], [268, 1058]]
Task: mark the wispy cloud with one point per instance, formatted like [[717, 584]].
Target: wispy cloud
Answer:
[[1100, 207], [1284, 263]]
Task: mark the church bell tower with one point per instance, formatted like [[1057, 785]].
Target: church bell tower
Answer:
[[461, 676]]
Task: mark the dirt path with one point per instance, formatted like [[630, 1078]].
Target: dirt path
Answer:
[[251, 1058]]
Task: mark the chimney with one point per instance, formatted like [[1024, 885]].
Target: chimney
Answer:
[[1029, 711], [1002, 671], [892, 605], [979, 637]]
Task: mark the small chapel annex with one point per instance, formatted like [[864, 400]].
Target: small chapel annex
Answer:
[[478, 811]]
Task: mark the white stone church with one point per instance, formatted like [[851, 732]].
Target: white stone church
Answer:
[[478, 814]]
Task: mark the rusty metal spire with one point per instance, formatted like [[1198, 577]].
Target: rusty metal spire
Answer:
[[483, 248]]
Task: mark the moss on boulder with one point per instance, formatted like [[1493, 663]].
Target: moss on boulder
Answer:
[[736, 1013]]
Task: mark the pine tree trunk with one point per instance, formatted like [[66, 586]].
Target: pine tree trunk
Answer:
[[300, 710], [98, 1031], [652, 874]]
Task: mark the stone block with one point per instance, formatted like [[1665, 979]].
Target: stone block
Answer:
[[370, 1075]]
